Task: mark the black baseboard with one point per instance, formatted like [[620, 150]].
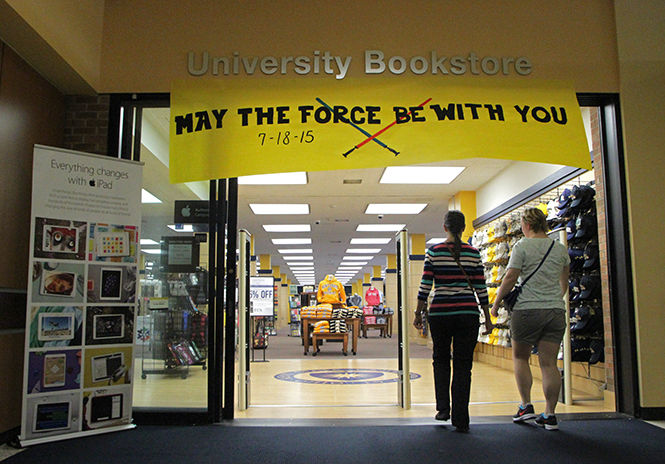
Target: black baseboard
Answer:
[[169, 416], [652, 413]]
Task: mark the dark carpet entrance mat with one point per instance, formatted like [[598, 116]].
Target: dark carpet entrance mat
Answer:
[[578, 441]]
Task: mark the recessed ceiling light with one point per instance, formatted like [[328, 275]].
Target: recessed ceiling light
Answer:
[[292, 241], [379, 227], [395, 208], [156, 251], [299, 263], [353, 263], [352, 267], [147, 197], [181, 227], [370, 241], [420, 174], [434, 241], [298, 258], [279, 208], [363, 250], [357, 258], [302, 269], [148, 241], [295, 250], [284, 178], [287, 227]]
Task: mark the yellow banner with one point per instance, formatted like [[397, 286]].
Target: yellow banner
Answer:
[[222, 129]]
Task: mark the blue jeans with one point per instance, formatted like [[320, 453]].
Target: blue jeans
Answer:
[[461, 331]]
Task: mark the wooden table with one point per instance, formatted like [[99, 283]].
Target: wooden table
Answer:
[[386, 328], [352, 323], [316, 336]]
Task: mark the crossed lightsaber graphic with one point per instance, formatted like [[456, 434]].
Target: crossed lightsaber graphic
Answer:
[[370, 137]]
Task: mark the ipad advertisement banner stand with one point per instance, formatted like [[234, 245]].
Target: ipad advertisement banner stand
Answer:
[[81, 295]]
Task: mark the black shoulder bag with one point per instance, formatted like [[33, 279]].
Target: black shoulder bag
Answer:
[[510, 299]]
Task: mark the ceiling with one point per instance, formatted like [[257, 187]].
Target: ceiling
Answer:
[[336, 208]]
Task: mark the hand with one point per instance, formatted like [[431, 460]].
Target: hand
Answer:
[[489, 327], [495, 311], [418, 321]]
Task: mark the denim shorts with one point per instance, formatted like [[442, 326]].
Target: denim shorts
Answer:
[[533, 325]]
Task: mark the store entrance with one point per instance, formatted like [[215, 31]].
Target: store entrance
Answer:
[[339, 194]]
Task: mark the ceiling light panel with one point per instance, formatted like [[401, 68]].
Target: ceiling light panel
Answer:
[[279, 208], [148, 241], [147, 197], [357, 258], [370, 241], [299, 263], [352, 268], [420, 174], [434, 241], [292, 241], [363, 250], [285, 178], [156, 251], [295, 251], [395, 208], [380, 227], [298, 258], [287, 227], [353, 263]]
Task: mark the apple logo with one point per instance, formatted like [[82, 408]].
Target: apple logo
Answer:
[[185, 211], [92, 182]]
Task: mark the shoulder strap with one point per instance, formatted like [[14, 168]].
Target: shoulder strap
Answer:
[[541, 263], [466, 276]]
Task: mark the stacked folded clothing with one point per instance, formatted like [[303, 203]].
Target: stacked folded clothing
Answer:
[[308, 311], [322, 327], [357, 313], [342, 313], [324, 310], [338, 326], [370, 319]]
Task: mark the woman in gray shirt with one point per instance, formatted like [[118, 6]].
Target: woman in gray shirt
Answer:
[[538, 317]]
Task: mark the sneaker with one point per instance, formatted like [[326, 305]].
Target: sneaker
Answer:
[[524, 413], [549, 422]]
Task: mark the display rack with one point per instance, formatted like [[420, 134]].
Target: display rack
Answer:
[[178, 332]]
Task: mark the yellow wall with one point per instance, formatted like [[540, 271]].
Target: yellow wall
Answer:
[[641, 38]]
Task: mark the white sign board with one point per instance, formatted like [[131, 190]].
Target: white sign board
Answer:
[[261, 291]]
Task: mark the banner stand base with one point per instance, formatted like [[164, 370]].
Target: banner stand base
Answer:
[[87, 433]]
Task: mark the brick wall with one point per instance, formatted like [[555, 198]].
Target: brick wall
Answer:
[[86, 123], [602, 248]]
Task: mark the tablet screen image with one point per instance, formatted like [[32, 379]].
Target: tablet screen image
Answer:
[[103, 367], [113, 244], [55, 283], [60, 239], [105, 408], [110, 283], [108, 326], [55, 366], [55, 326], [51, 416]]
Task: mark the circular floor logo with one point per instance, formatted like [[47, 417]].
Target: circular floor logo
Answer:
[[350, 376]]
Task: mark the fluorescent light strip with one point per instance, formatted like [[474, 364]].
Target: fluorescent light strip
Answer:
[[292, 241], [379, 227], [298, 258], [370, 241], [434, 241], [356, 258], [420, 174], [148, 241], [279, 208], [282, 178], [351, 268], [295, 250], [395, 208], [157, 251], [353, 263], [287, 227], [298, 264], [363, 250], [147, 197]]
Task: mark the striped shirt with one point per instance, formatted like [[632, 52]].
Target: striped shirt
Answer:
[[441, 274]]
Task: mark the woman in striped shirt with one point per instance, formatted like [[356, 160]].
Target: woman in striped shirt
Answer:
[[451, 269]]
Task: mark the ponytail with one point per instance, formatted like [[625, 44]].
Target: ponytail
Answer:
[[454, 222]]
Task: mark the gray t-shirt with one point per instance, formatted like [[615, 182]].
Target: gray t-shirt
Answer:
[[543, 290]]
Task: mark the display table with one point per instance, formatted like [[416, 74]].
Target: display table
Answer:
[[316, 336], [386, 328], [353, 323]]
